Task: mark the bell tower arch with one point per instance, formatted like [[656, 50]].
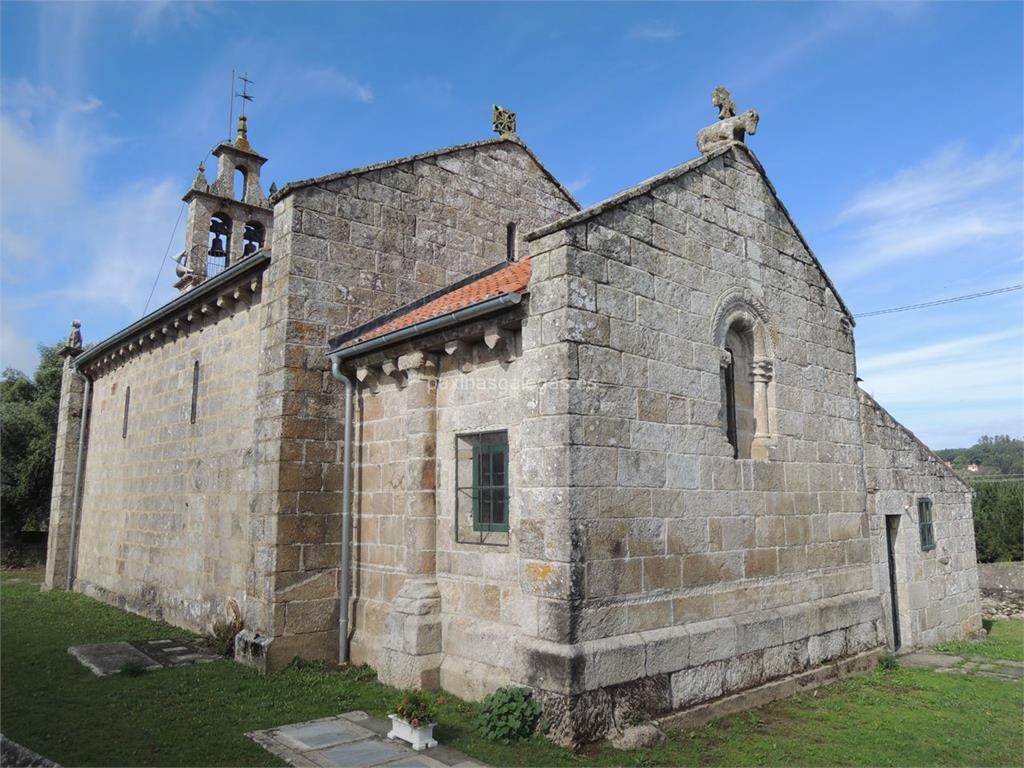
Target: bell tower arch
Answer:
[[228, 219]]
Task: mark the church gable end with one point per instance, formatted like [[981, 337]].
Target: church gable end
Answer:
[[751, 529]]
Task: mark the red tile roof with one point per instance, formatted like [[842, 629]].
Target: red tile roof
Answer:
[[513, 278]]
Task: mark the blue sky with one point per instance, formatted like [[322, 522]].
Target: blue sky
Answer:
[[893, 133]]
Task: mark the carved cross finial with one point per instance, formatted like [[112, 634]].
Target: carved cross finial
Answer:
[[726, 106], [503, 120]]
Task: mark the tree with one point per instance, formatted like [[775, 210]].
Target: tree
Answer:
[[28, 431], [998, 454], [999, 520]]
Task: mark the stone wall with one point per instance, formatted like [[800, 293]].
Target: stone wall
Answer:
[[674, 573], [348, 248], [69, 420], [480, 600], [937, 589], [165, 520], [1001, 577]]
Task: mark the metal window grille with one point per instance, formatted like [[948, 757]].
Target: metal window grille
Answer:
[[925, 523], [490, 487]]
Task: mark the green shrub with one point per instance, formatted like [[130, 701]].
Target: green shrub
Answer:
[[508, 715], [888, 662], [999, 520]]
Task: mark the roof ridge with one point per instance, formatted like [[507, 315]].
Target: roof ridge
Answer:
[[447, 150], [625, 195], [909, 433], [647, 185]]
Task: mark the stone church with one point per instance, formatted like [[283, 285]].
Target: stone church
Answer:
[[431, 415]]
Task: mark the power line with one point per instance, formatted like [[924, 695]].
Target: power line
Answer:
[[166, 251], [950, 300]]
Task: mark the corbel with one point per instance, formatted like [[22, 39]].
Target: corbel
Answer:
[[463, 352], [369, 379], [499, 339], [390, 369]]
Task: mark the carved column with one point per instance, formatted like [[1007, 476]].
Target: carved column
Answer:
[[412, 633], [69, 417], [761, 375]]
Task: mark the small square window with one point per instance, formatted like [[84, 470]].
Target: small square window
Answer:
[[925, 523], [482, 488], [490, 485]]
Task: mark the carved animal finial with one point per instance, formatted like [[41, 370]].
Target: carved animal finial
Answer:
[[75, 336], [726, 106], [730, 126]]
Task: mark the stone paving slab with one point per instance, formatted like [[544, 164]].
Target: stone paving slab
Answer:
[[352, 740], [110, 658], [176, 653], [948, 663], [104, 659]]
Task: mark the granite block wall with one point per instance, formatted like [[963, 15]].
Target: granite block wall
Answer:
[[165, 521], [69, 420], [937, 589], [657, 529], [348, 248]]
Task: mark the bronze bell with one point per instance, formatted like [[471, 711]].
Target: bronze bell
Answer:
[[249, 250], [217, 247]]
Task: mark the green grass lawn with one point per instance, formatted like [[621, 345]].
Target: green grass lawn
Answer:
[[1005, 641], [198, 715]]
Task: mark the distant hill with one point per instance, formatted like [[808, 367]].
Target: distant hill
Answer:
[[991, 455]]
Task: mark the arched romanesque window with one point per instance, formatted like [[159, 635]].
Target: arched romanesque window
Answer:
[[219, 244], [741, 335], [738, 389], [253, 238]]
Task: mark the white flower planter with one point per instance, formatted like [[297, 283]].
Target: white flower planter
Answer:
[[420, 738]]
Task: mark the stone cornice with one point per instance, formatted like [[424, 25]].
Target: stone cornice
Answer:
[[217, 297]]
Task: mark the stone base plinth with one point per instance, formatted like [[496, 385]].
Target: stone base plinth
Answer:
[[411, 655]]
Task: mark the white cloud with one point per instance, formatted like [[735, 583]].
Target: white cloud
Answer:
[[577, 184], [330, 80], [89, 105], [16, 349], [123, 264], [103, 257], [932, 352], [158, 16], [953, 390], [35, 169], [653, 30], [948, 202]]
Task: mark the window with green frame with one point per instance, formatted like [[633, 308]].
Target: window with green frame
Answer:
[[925, 523], [490, 483]]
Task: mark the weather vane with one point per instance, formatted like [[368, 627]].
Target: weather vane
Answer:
[[244, 95]]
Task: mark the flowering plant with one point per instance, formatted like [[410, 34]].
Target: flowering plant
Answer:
[[417, 708]]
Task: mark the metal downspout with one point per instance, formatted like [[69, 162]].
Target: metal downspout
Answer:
[[76, 493], [346, 513]]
